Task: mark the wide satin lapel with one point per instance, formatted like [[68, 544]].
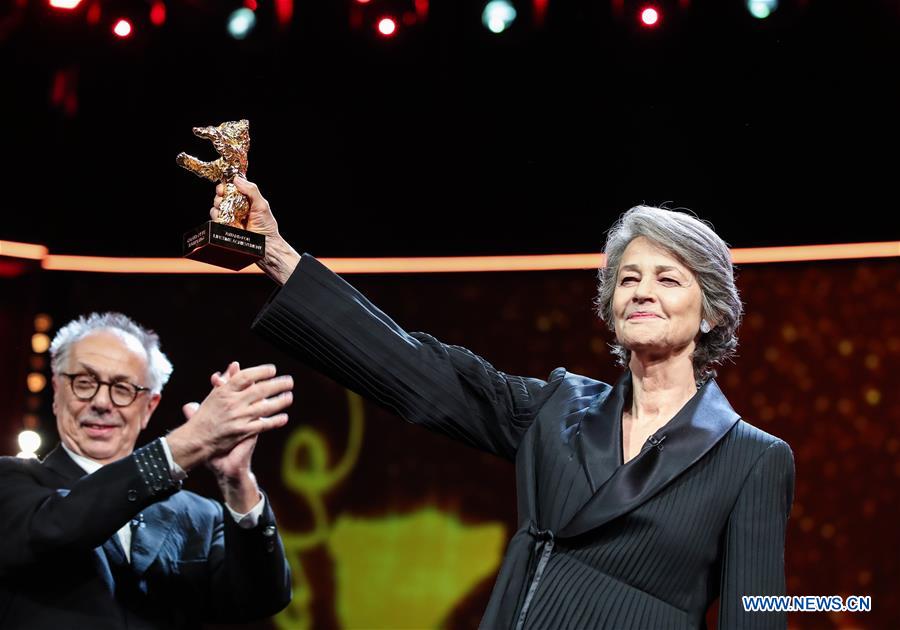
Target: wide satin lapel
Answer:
[[557, 469], [689, 435], [600, 446], [149, 535], [103, 564], [114, 551]]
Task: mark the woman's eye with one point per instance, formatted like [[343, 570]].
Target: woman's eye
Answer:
[[629, 278]]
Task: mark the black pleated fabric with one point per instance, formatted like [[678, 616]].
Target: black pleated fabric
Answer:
[[662, 564], [651, 543]]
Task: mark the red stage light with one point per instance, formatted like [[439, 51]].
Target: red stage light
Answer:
[[363, 1], [122, 28], [387, 26], [649, 16], [251, 4], [284, 12], [539, 11], [93, 13], [64, 91], [158, 14]]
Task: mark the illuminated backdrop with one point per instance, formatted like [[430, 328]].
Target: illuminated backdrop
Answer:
[[389, 526]]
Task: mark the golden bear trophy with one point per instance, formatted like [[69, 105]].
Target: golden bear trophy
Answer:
[[224, 241]]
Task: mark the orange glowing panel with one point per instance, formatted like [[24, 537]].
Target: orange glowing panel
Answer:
[[453, 264], [797, 253], [450, 264], [104, 264], [22, 250]]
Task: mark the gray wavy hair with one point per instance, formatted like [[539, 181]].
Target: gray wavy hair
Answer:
[[694, 243], [159, 368]]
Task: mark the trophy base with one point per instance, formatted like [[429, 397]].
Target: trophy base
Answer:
[[224, 245]]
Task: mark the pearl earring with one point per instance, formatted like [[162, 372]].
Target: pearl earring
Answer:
[[705, 327]]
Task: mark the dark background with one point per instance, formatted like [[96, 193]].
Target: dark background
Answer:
[[817, 363], [446, 138]]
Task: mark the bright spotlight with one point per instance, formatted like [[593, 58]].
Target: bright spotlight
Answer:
[[761, 8], [64, 4], [122, 28], [649, 16], [241, 23], [29, 441], [387, 26], [498, 15]]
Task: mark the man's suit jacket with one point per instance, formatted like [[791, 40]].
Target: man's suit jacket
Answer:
[[699, 513], [62, 566]]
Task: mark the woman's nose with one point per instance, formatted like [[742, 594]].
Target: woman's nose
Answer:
[[643, 290]]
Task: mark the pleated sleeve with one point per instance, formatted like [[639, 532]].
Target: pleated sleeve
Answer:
[[753, 562], [329, 325]]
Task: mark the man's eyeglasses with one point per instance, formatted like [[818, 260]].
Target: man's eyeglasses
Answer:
[[121, 393]]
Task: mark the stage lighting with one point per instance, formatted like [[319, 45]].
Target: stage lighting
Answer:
[[241, 23], [649, 16], [284, 12], [40, 342], [29, 441], [387, 26], [498, 15], [64, 4], [43, 322], [158, 14], [36, 382], [761, 8], [93, 13], [122, 28]]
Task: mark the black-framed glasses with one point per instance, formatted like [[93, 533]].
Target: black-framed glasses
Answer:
[[121, 393]]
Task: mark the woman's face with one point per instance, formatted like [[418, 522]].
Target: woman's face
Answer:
[[651, 281]]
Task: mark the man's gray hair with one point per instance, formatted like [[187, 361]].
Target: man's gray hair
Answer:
[[696, 245], [159, 368]]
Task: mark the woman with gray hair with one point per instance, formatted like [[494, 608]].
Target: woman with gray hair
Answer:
[[640, 502]]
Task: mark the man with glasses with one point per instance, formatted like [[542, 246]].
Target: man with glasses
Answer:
[[100, 535]]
